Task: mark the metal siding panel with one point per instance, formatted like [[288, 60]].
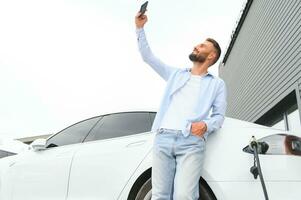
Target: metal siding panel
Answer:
[[243, 66], [266, 65], [261, 58], [288, 68], [269, 37], [298, 95], [285, 88]]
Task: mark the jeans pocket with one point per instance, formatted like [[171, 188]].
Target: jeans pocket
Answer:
[[199, 137]]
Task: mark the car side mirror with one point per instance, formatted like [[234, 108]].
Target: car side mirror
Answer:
[[38, 144], [278, 144]]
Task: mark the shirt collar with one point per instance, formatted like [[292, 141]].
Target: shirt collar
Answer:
[[188, 69]]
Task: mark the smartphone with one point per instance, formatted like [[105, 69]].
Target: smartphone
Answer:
[[143, 8]]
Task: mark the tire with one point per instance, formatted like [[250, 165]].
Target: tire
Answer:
[[144, 192]]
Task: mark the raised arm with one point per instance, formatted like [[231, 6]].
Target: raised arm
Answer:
[[161, 68]]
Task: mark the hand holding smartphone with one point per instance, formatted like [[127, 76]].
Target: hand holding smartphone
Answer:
[[140, 18], [143, 9]]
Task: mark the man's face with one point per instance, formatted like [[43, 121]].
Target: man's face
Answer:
[[201, 52]]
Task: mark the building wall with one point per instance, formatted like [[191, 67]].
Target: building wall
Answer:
[[264, 64], [298, 94]]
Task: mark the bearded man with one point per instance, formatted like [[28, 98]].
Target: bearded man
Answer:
[[183, 121]]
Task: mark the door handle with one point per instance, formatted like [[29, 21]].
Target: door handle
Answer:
[[137, 143], [12, 163]]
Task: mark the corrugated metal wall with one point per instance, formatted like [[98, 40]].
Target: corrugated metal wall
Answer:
[[299, 86], [298, 89], [264, 64]]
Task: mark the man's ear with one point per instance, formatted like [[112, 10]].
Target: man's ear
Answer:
[[212, 55]]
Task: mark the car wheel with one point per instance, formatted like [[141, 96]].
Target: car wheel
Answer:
[[145, 192]]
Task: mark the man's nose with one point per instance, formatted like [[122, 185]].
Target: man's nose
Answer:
[[197, 48]]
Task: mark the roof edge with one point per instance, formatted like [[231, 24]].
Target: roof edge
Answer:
[[236, 30]]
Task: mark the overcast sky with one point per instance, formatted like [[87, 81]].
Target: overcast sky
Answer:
[[65, 61]]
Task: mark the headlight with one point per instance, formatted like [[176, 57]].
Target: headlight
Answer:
[[278, 144]]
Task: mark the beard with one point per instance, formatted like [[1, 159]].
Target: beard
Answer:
[[197, 58]]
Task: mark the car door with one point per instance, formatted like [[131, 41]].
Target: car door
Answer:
[[44, 174], [110, 155]]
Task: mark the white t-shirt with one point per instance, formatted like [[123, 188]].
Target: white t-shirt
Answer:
[[183, 104]]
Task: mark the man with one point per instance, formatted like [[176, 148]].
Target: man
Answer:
[[182, 123]]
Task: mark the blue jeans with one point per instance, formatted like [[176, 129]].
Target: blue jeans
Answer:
[[177, 165]]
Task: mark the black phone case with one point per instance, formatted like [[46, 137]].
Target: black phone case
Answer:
[[143, 8]]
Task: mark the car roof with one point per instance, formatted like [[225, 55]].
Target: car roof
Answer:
[[131, 109]]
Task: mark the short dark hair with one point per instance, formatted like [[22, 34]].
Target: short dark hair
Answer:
[[217, 48]]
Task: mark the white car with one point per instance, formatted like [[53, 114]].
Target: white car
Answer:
[[108, 157]]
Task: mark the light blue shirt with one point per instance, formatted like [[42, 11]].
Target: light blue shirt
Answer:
[[212, 95]]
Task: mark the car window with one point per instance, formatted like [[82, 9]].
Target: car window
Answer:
[[120, 124], [5, 154], [73, 134]]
